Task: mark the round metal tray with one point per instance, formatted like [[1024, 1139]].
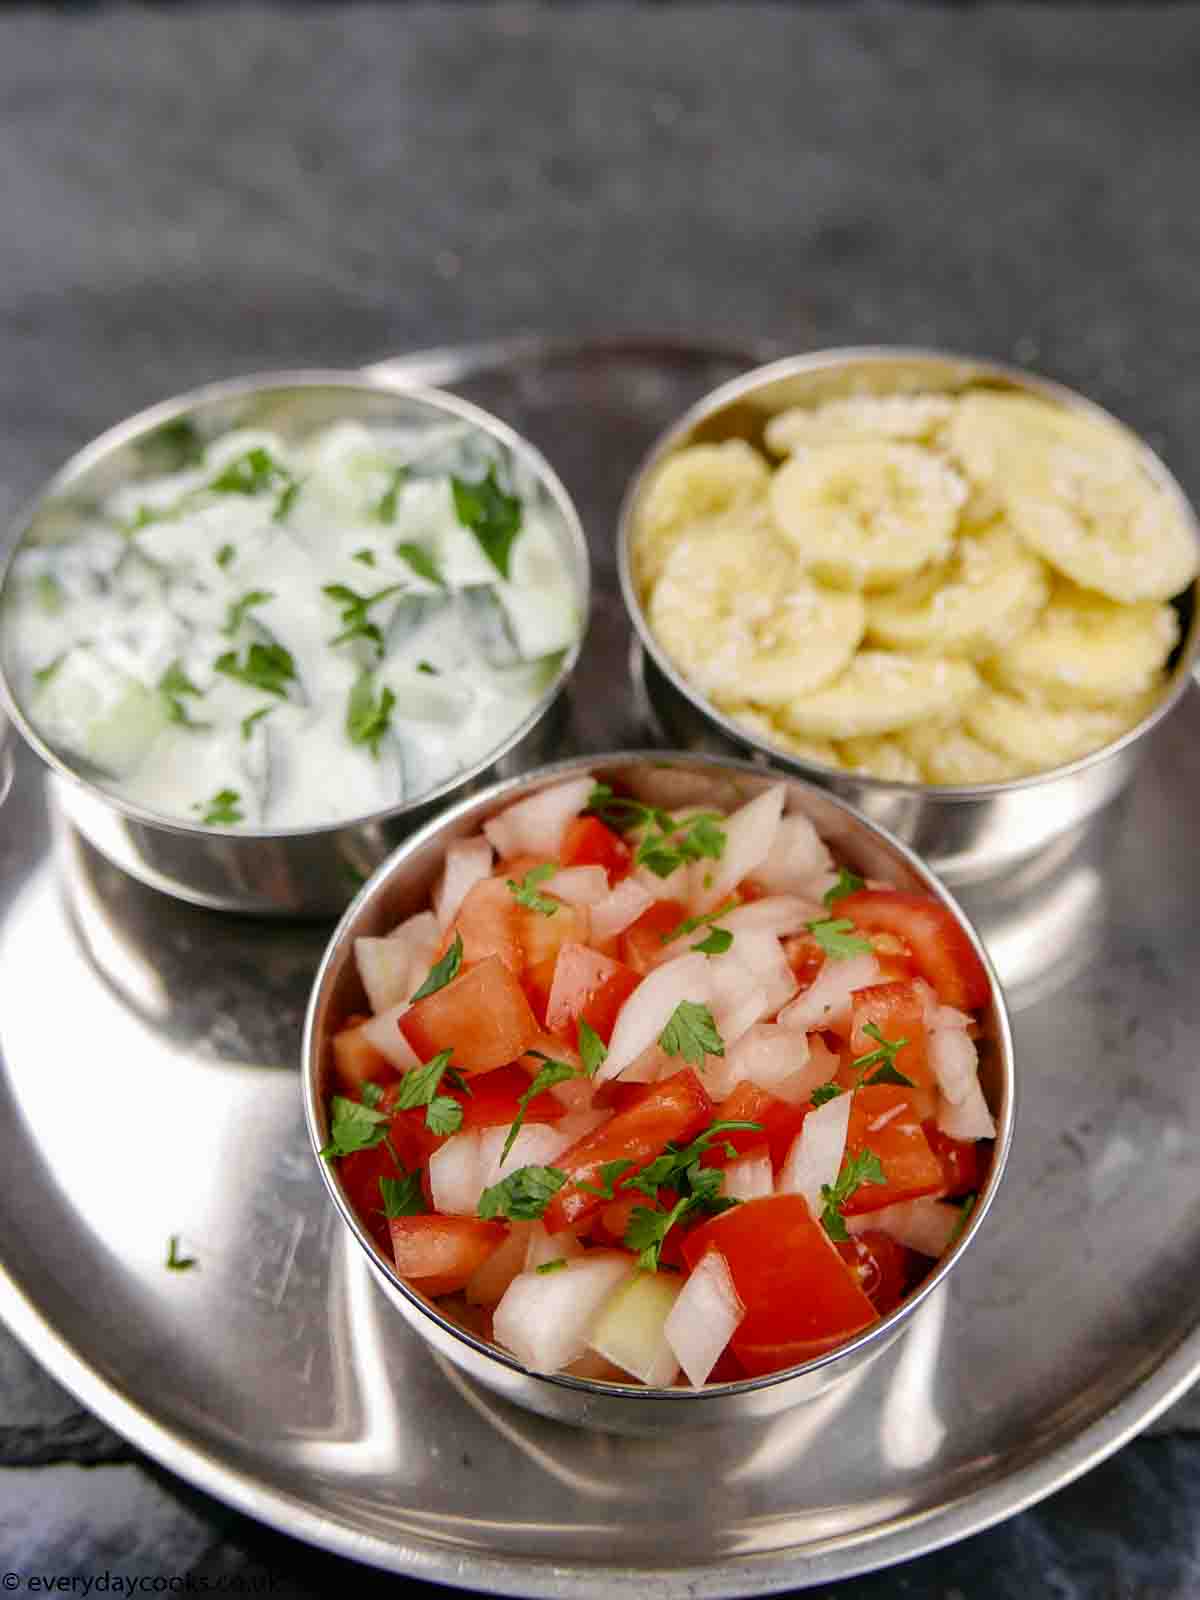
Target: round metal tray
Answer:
[[149, 1088]]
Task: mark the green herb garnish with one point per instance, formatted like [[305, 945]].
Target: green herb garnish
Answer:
[[354, 1126], [252, 717], [421, 562], [847, 883], [427, 668], [442, 972], [692, 1033], [592, 1050], [356, 622], [238, 609], [365, 556], [173, 685], [548, 1267], [610, 1171], [222, 809], [403, 1197], [267, 666], [492, 516], [368, 719], [855, 1171], [525, 893], [44, 674], [419, 1087], [553, 1072], [667, 843], [251, 473], [884, 1058], [385, 509], [523, 1196], [706, 920], [826, 1092], [175, 1261], [225, 555], [838, 939], [286, 500]]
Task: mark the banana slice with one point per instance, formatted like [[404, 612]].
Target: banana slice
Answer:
[[702, 482], [1042, 736], [986, 595], [879, 692], [893, 416], [946, 753], [738, 616], [1085, 650], [865, 515], [882, 757], [765, 728]]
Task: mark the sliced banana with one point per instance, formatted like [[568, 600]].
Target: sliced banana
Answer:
[[739, 617], [946, 753], [879, 692], [866, 515], [880, 757], [893, 416], [767, 729], [1085, 650], [704, 481], [989, 433], [1042, 736], [987, 594]]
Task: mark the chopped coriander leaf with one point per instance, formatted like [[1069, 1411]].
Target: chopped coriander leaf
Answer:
[[523, 1196], [837, 938], [421, 562], [716, 944], [49, 593], [647, 1231], [250, 473], [176, 681], [372, 1094], [691, 1033], [239, 609], [964, 1216], [368, 719], [672, 1168], [553, 1072], [826, 1092], [847, 883], [179, 441], [177, 1262], [267, 666], [864, 1167], [444, 1115], [889, 1074], [252, 717], [222, 809], [354, 1127], [442, 972], [525, 893], [144, 516], [428, 669], [678, 843], [690, 924], [44, 674], [356, 623], [225, 555], [592, 1049], [385, 508], [286, 500], [610, 1171], [547, 1267], [884, 1058], [455, 1078], [178, 713], [492, 516], [419, 1085], [403, 1197], [366, 556]]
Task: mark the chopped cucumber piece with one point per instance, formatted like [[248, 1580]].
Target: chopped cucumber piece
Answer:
[[90, 709]]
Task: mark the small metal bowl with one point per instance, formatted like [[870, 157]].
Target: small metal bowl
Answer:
[[403, 886], [311, 871], [968, 832]]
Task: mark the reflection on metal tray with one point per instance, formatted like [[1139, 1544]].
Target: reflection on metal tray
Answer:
[[274, 1374]]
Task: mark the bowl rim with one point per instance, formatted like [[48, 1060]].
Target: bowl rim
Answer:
[[339, 951], [969, 370], [373, 380]]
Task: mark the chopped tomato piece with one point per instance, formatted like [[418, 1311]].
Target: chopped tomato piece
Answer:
[[438, 1254], [941, 951], [894, 1009], [588, 986], [883, 1119], [962, 1169], [356, 1061], [616, 1095], [728, 1368], [780, 1124], [483, 1016], [537, 982], [882, 1267], [805, 957], [894, 958], [487, 924], [360, 1173], [494, 1097], [801, 1299], [675, 1109], [542, 937], [641, 945], [588, 843]]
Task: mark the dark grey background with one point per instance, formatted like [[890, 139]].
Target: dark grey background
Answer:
[[194, 193]]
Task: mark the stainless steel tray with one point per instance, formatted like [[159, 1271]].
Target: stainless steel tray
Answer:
[[148, 1088]]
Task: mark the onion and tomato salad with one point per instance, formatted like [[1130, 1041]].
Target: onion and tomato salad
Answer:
[[662, 1096]]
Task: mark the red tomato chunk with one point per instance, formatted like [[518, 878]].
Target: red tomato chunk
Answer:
[[482, 1016], [941, 951], [438, 1254], [588, 843]]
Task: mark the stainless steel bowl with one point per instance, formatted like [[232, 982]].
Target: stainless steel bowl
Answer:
[[403, 885], [965, 833], [309, 871]]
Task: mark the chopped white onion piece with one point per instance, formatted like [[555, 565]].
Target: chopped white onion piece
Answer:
[[545, 1318], [750, 1177], [762, 952], [767, 1055], [737, 999], [749, 835], [383, 1032], [675, 886], [487, 1284], [704, 1318], [796, 858], [955, 1061], [926, 1225], [621, 907], [536, 1145], [392, 969], [969, 1119], [816, 1154], [780, 914], [541, 1247], [468, 861], [456, 1175], [578, 886], [826, 1004], [629, 1330], [535, 826], [649, 1008]]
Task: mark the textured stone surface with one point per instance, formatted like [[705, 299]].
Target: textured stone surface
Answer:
[[196, 193]]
